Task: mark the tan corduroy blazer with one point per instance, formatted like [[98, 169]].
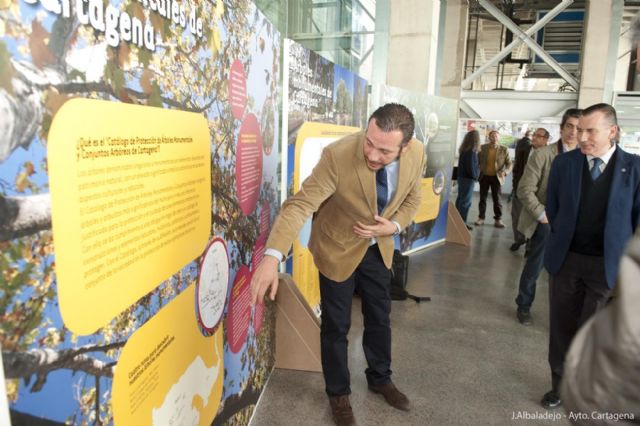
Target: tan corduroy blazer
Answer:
[[342, 190], [532, 189], [503, 162]]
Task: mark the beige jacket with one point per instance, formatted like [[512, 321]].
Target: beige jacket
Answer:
[[342, 190], [503, 162], [532, 189], [602, 368]]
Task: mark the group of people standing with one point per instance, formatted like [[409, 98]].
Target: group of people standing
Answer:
[[579, 208], [576, 204], [488, 164]]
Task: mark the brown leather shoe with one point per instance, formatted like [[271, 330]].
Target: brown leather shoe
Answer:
[[341, 410], [392, 395]]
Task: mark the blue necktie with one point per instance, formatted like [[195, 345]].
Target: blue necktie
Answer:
[[595, 169], [381, 189]]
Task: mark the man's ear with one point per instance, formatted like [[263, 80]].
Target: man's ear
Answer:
[[404, 147], [613, 132]]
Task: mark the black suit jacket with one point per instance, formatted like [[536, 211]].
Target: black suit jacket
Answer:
[[563, 201]]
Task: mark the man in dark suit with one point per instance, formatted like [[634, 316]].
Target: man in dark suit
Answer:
[[593, 207], [523, 149], [364, 190], [598, 369]]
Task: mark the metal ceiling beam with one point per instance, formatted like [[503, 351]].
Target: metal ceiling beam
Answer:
[[364, 9], [504, 20], [507, 49], [468, 110]]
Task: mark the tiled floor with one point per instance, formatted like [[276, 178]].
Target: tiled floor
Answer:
[[462, 358]]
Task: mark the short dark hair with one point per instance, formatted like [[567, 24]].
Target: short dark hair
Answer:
[[570, 113], [606, 109], [391, 117]]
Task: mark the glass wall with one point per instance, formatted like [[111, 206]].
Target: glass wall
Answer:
[[340, 30]]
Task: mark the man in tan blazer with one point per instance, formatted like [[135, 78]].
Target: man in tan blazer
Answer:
[[495, 164], [364, 190], [532, 192]]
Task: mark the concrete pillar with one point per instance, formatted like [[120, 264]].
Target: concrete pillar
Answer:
[[600, 51], [413, 44], [453, 43]]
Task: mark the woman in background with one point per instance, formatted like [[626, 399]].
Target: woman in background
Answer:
[[468, 172]]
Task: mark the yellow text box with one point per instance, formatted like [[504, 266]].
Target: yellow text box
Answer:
[[131, 200], [168, 372], [430, 203]]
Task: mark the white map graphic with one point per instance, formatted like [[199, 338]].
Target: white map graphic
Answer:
[[177, 408], [213, 283]]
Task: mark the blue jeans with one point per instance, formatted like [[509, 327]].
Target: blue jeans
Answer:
[[533, 266], [465, 195]]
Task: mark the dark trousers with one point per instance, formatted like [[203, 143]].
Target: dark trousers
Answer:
[[577, 292], [465, 196], [492, 182], [372, 279], [533, 266], [516, 209]]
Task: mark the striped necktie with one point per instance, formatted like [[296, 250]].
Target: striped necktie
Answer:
[[381, 189]]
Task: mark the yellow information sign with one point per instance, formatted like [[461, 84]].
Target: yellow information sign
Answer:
[[168, 372], [131, 200]]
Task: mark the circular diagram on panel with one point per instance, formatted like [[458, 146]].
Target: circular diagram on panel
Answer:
[[438, 182], [211, 288]]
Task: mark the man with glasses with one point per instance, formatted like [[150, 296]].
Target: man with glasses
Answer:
[[534, 262], [593, 208], [532, 192]]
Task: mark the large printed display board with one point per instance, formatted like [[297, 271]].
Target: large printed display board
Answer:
[[436, 127], [138, 182], [323, 102]]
